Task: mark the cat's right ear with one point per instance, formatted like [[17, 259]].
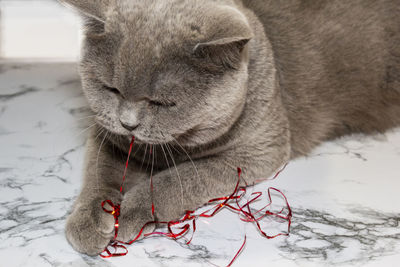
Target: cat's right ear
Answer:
[[92, 8]]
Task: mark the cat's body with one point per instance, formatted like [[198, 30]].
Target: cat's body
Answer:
[[338, 64], [231, 84]]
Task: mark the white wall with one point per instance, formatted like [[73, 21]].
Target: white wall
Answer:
[[38, 30]]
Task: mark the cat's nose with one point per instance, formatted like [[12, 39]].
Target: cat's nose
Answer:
[[129, 126]]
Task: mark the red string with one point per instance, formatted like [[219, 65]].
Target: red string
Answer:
[[231, 202], [239, 251], [127, 163], [115, 211]]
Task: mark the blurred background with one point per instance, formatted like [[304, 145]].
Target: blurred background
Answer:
[[38, 31]]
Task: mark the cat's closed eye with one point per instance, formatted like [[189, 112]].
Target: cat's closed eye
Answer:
[[151, 102], [159, 103], [112, 90]]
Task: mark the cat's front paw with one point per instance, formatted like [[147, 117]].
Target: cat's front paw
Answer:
[[132, 220], [89, 229]]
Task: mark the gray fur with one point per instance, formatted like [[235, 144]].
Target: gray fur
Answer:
[[229, 83]]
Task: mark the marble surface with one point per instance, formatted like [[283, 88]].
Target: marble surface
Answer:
[[345, 196]]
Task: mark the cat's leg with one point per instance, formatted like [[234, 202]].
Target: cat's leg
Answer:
[[88, 228], [187, 187]]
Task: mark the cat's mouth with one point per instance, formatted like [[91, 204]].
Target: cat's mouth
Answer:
[[160, 138], [148, 141], [151, 140]]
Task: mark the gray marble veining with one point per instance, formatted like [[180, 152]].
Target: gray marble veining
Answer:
[[344, 196]]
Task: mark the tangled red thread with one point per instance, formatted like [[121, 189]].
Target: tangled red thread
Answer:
[[188, 221]]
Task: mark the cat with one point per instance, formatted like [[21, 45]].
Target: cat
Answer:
[[207, 86]]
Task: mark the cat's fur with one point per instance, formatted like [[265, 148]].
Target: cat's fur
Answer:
[[229, 83]]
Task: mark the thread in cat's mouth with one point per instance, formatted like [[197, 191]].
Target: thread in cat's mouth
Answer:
[[149, 141], [138, 138]]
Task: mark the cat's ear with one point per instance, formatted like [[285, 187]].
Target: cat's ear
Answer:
[[226, 47], [222, 54], [92, 8]]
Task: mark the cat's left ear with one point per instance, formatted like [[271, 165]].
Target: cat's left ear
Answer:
[[226, 48], [223, 54], [93, 8]]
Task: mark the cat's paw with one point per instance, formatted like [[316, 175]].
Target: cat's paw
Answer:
[[132, 220], [89, 229]]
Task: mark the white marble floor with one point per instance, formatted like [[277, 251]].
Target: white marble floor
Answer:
[[345, 196]]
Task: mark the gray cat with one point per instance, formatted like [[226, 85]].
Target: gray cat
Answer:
[[207, 86]]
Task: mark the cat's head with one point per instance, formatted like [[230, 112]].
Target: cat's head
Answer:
[[163, 70]]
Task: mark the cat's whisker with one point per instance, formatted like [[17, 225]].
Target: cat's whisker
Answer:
[[152, 164], [149, 160], [144, 157], [191, 160], [112, 143], [97, 161], [100, 131], [187, 154], [137, 149], [119, 146], [166, 159], [151, 177], [155, 154], [177, 172], [175, 149], [84, 118], [84, 130]]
